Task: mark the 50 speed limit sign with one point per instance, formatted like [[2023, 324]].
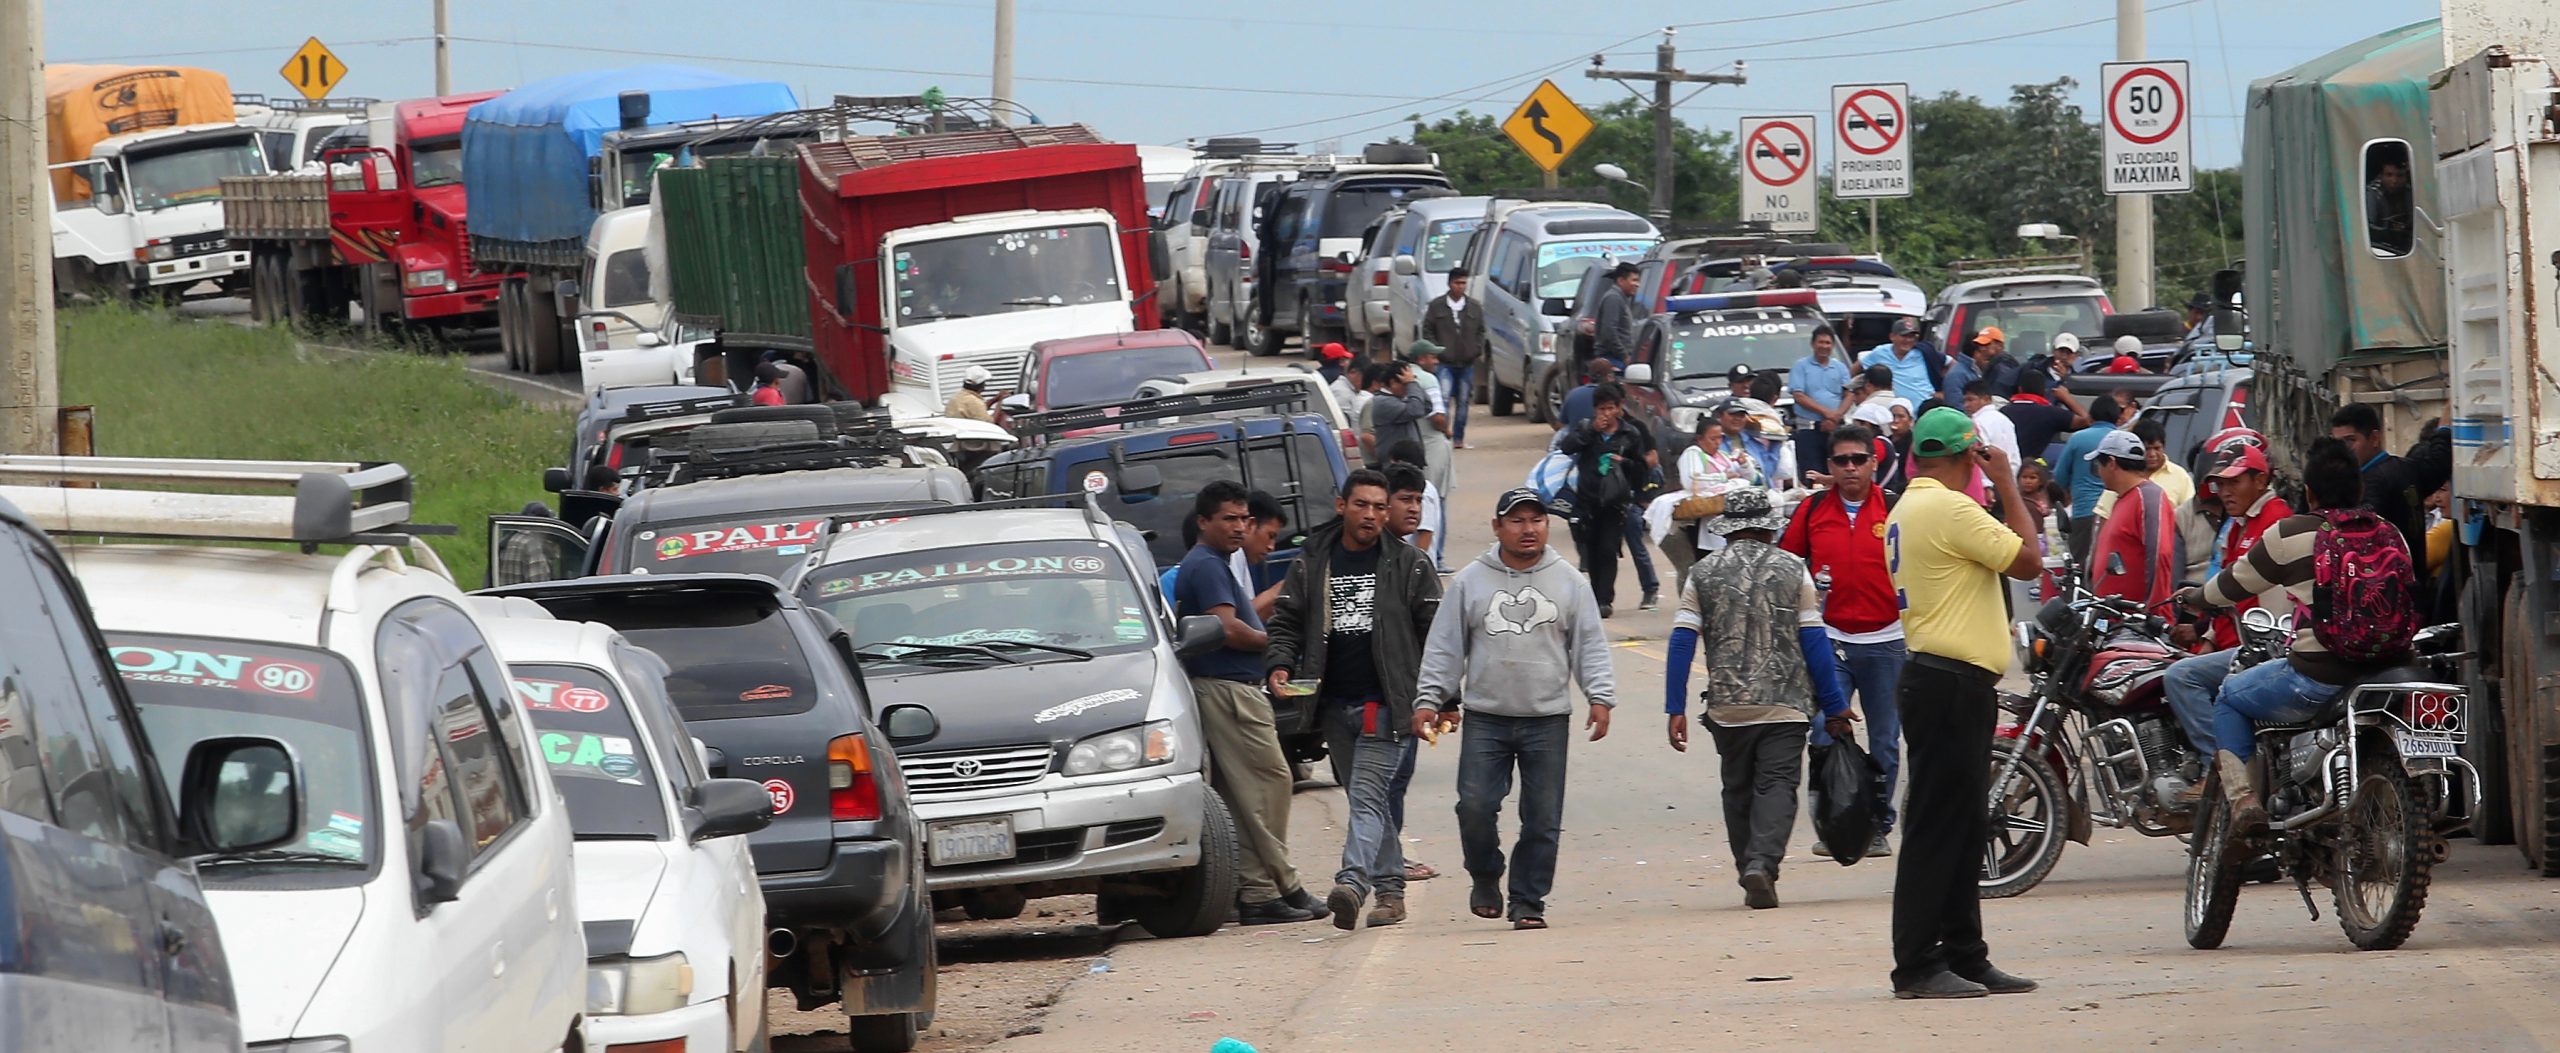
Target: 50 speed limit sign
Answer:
[[2149, 117]]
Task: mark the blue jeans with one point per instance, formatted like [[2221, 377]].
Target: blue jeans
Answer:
[[2191, 685], [1373, 848], [1403, 781], [1639, 548], [1873, 673], [2271, 692], [1458, 386], [1490, 746]]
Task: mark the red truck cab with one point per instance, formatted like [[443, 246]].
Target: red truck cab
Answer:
[[399, 215]]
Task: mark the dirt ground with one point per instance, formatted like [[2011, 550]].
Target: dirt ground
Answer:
[[998, 979]]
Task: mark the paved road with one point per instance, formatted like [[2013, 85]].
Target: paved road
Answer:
[[1651, 948]]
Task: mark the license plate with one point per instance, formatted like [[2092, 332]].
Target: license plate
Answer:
[[972, 841], [2421, 744]]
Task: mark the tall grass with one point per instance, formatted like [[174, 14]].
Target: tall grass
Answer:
[[168, 387]]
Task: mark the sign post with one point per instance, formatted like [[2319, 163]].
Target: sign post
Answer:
[[314, 70], [1778, 187], [2149, 118], [1547, 126]]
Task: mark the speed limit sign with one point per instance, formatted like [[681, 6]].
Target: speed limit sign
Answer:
[[2149, 116]]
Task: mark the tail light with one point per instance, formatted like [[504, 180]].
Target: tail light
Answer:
[[2105, 306], [1244, 252], [852, 791], [1351, 442], [2433, 711], [1334, 266]]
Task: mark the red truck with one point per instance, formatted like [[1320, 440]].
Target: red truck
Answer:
[[382, 229], [929, 254]]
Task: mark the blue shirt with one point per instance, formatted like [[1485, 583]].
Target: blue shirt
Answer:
[[1827, 382], [1205, 583], [1960, 372], [1910, 372], [2077, 474], [1577, 406]]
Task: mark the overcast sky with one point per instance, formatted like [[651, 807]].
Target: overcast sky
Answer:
[[1310, 71]]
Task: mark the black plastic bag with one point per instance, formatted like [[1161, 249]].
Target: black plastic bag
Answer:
[[1847, 789]]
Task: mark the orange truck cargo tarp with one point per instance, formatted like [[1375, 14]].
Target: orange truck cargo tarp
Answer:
[[86, 104]]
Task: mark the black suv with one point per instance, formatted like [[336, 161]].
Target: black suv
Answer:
[[1310, 234], [769, 686]]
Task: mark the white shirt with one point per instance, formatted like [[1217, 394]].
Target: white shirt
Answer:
[[1996, 429], [1457, 305]]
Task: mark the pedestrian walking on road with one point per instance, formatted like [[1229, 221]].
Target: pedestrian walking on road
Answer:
[[968, 403], [1613, 459], [1839, 533], [1517, 632], [1413, 508], [1576, 406], [1743, 602], [1917, 368], [1350, 620], [1947, 557], [1456, 323], [1247, 765]]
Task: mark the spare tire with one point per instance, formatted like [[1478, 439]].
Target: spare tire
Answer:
[[1395, 154], [711, 440], [821, 416], [2159, 326]]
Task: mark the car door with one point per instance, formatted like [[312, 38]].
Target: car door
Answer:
[[723, 872], [1507, 327], [1650, 402], [534, 548]]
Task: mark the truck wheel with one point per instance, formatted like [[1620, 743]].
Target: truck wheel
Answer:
[[507, 326], [822, 416], [542, 334], [707, 441], [1197, 900], [2485, 744], [1501, 400], [2528, 763]]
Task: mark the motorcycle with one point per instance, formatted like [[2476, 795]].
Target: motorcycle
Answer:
[[2353, 797], [2093, 741]]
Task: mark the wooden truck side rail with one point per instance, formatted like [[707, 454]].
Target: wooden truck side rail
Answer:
[[290, 207]]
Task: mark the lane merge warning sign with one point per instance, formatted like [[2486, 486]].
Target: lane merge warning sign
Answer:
[[2149, 118], [1871, 133], [1777, 173]]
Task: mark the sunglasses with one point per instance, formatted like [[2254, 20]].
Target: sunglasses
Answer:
[[1851, 460]]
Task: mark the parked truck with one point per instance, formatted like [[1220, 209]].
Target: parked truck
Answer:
[[137, 155], [534, 182], [929, 254], [382, 228]]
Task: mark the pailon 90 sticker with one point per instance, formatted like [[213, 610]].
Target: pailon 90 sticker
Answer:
[[261, 674]]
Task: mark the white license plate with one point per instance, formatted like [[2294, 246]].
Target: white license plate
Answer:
[[2421, 744], [972, 841]]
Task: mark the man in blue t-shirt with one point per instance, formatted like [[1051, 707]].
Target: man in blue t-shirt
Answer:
[[1247, 766], [1914, 377], [2081, 480]]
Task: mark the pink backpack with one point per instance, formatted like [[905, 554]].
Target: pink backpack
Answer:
[[2363, 587]]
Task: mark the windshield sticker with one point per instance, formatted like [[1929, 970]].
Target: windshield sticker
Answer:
[[1132, 624], [837, 587], [1002, 566], [232, 672], [764, 693], [345, 824], [970, 637], [556, 697], [1075, 706], [1559, 250], [1095, 482], [335, 843], [602, 753], [792, 537]]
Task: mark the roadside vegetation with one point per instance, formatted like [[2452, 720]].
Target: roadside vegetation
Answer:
[[168, 387]]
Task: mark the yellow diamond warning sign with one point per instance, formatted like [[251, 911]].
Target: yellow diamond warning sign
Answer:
[[1547, 126], [314, 70]]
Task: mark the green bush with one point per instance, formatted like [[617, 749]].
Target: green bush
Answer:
[[169, 387]]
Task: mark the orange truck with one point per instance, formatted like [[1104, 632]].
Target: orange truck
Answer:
[[137, 155]]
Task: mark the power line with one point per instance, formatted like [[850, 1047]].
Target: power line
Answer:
[[1999, 38], [158, 55]]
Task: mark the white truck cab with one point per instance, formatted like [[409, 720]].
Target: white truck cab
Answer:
[[624, 336], [979, 290], [428, 904], [152, 223]]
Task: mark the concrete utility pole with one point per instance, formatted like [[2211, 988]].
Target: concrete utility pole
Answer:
[[30, 402], [1003, 88], [2133, 211], [1666, 72], [444, 50]]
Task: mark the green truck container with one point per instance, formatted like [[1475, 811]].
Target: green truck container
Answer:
[[735, 261]]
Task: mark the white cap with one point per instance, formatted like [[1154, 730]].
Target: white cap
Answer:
[[976, 377], [1873, 413], [2066, 342], [2129, 344]]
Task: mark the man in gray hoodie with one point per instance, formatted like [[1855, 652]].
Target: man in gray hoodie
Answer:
[[1518, 628]]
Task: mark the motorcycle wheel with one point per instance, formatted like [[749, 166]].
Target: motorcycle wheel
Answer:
[[2027, 826], [2387, 851], [2213, 876]]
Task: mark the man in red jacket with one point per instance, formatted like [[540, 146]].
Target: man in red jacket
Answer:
[[2247, 491], [2139, 552], [1839, 532]]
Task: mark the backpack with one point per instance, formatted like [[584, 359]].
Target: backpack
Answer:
[[2363, 587]]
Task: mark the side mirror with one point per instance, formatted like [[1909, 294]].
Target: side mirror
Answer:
[[650, 340], [1199, 217], [1159, 255], [1406, 267], [1140, 481], [555, 480], [443, 856], [1349, 256], [240, 794], [1198, 633], [2229, 342], [701, 752], [1640, 374], [1556, 307], [909, 724], [727, 808], [1018, 402], [565, 289]]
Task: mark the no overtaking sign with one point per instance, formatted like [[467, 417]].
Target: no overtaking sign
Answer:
[[1777, 173], [2147, 131], [1871, 127]]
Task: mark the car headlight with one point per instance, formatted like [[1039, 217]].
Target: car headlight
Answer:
[[429, 278], [1123, 750], [637, 986], [1546, 343], [330, 1044]]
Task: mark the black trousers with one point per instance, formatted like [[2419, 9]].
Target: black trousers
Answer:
[[1763, 764], [1947, 710], [1603, 533]]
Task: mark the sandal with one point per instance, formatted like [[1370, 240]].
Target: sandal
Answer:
[[1415, 871], [1529, 922], [1485, 900]]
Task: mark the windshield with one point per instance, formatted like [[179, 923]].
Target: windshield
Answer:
[[626, 278], [1348, 210], [1017, 270], [2031, 325], [1113, 376], [729, 653], [766, 543], [1561, 264], [1711, 347], [585, 732], [189, 689], [1160, 196], [191, 173], [435, 162], [639, 171], [1446, 245], [985, 604]]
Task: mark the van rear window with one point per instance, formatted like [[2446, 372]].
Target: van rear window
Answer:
[[728, 653]]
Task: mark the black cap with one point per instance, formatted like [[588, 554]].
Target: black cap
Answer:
[[1740, 371], [1624, 270], [1906, 327], [1515, 497]]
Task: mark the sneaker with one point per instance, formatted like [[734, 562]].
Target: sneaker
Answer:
[[1273, 912], [1759, 890], [1880, 849], [1390, 910], [1651, 601], [1605, 611], [1345, 902], [1821, 849], [1997, 982], [1941, 985]]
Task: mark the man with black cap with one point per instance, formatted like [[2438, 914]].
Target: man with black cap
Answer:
[[1738, 380], [1613, 333], [2199, 323]]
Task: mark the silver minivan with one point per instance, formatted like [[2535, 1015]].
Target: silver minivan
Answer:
[[1440, 231], [1235, 210], [1529, 258]]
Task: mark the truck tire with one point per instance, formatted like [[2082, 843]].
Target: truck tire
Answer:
[[1197, 900], [508, 327], [542, 333], [1261, 339], [2485, 744], [822, 416], [714, 439], [2530, 765], [1501, 400]]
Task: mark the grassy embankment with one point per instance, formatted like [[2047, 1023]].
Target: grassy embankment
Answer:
[[167, 387]]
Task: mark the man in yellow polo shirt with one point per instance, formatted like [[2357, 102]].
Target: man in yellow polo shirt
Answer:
[[1947, 556]]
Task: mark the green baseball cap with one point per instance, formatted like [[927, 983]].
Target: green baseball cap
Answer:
[[1419, 348], [1943, 432]]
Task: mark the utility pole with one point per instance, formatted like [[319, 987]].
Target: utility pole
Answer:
[[1003, 88], [1666, 72], [29, 403], [2133, 211], [444, 50]]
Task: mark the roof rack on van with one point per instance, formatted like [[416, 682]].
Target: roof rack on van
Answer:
[[1235, 146], [839, 523], [2010, 265], [1590, 195], [639, 412], [1738, 301], [307, 502], [350, 104], [1039, 426]]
